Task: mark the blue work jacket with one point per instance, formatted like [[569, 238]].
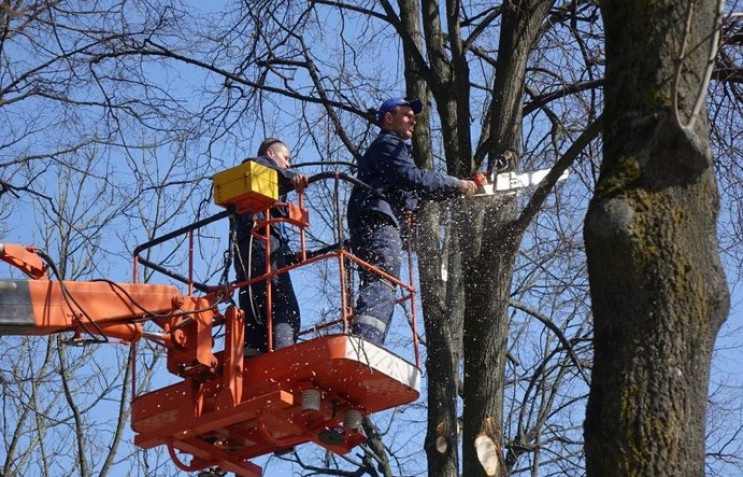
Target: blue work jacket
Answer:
[[388, 168]]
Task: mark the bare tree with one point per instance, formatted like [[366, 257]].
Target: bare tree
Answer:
[[148, 108], [75, 171]]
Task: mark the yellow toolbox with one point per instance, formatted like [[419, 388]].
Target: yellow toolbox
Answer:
[[250, 187]]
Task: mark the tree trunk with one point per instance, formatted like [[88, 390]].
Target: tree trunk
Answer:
[[657, 285], [490, 262], [441, 444], [441, 437]]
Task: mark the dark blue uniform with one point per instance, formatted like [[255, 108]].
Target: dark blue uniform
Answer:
[[374, 223], [252, 263]]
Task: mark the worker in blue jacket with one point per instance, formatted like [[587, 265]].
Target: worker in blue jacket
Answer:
[[250, 262], [374, 219]]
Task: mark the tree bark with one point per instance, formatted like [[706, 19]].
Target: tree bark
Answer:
[[490, 262], [657, 284], [441, 437]]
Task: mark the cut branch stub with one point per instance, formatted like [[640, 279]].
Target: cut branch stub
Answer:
[[488, 449]]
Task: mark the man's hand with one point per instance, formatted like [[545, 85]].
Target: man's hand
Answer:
[[299, 182], [467, 187]]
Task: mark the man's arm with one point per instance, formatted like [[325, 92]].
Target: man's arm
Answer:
[[393, 160], [288, 179]]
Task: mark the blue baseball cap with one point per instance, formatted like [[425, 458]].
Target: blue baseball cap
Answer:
[[392, 103]]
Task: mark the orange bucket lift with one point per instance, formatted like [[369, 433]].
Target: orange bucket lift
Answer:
[[226, 409]]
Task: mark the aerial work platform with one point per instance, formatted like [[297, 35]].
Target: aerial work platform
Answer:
[[316, 391], [227, 409]]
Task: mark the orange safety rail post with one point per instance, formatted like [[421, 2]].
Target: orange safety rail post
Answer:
[[304, 216], [406, 287], [265, 224], [234, 356], [346, 293], [413, 318], [190, 262], [297, 216]]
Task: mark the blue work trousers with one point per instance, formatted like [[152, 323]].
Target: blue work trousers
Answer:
[[254, 299], [376, 240]]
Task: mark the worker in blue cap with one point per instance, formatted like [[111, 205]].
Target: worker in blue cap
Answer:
[[374, 220]]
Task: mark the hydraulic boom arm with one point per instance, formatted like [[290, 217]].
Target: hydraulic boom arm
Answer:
[[104, 309]]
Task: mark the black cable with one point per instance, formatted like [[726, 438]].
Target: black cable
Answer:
[[224, 280], [145, 310], [249, 273], [345, 177], [320, 163], [69, 300]]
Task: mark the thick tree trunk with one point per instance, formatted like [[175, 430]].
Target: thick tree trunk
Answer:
[[485, 345], [490, 261], [658, 289]]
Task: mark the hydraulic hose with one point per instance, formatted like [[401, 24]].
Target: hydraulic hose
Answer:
[[344, 177]]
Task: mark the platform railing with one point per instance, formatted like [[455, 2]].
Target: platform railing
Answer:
[[297, 218]]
